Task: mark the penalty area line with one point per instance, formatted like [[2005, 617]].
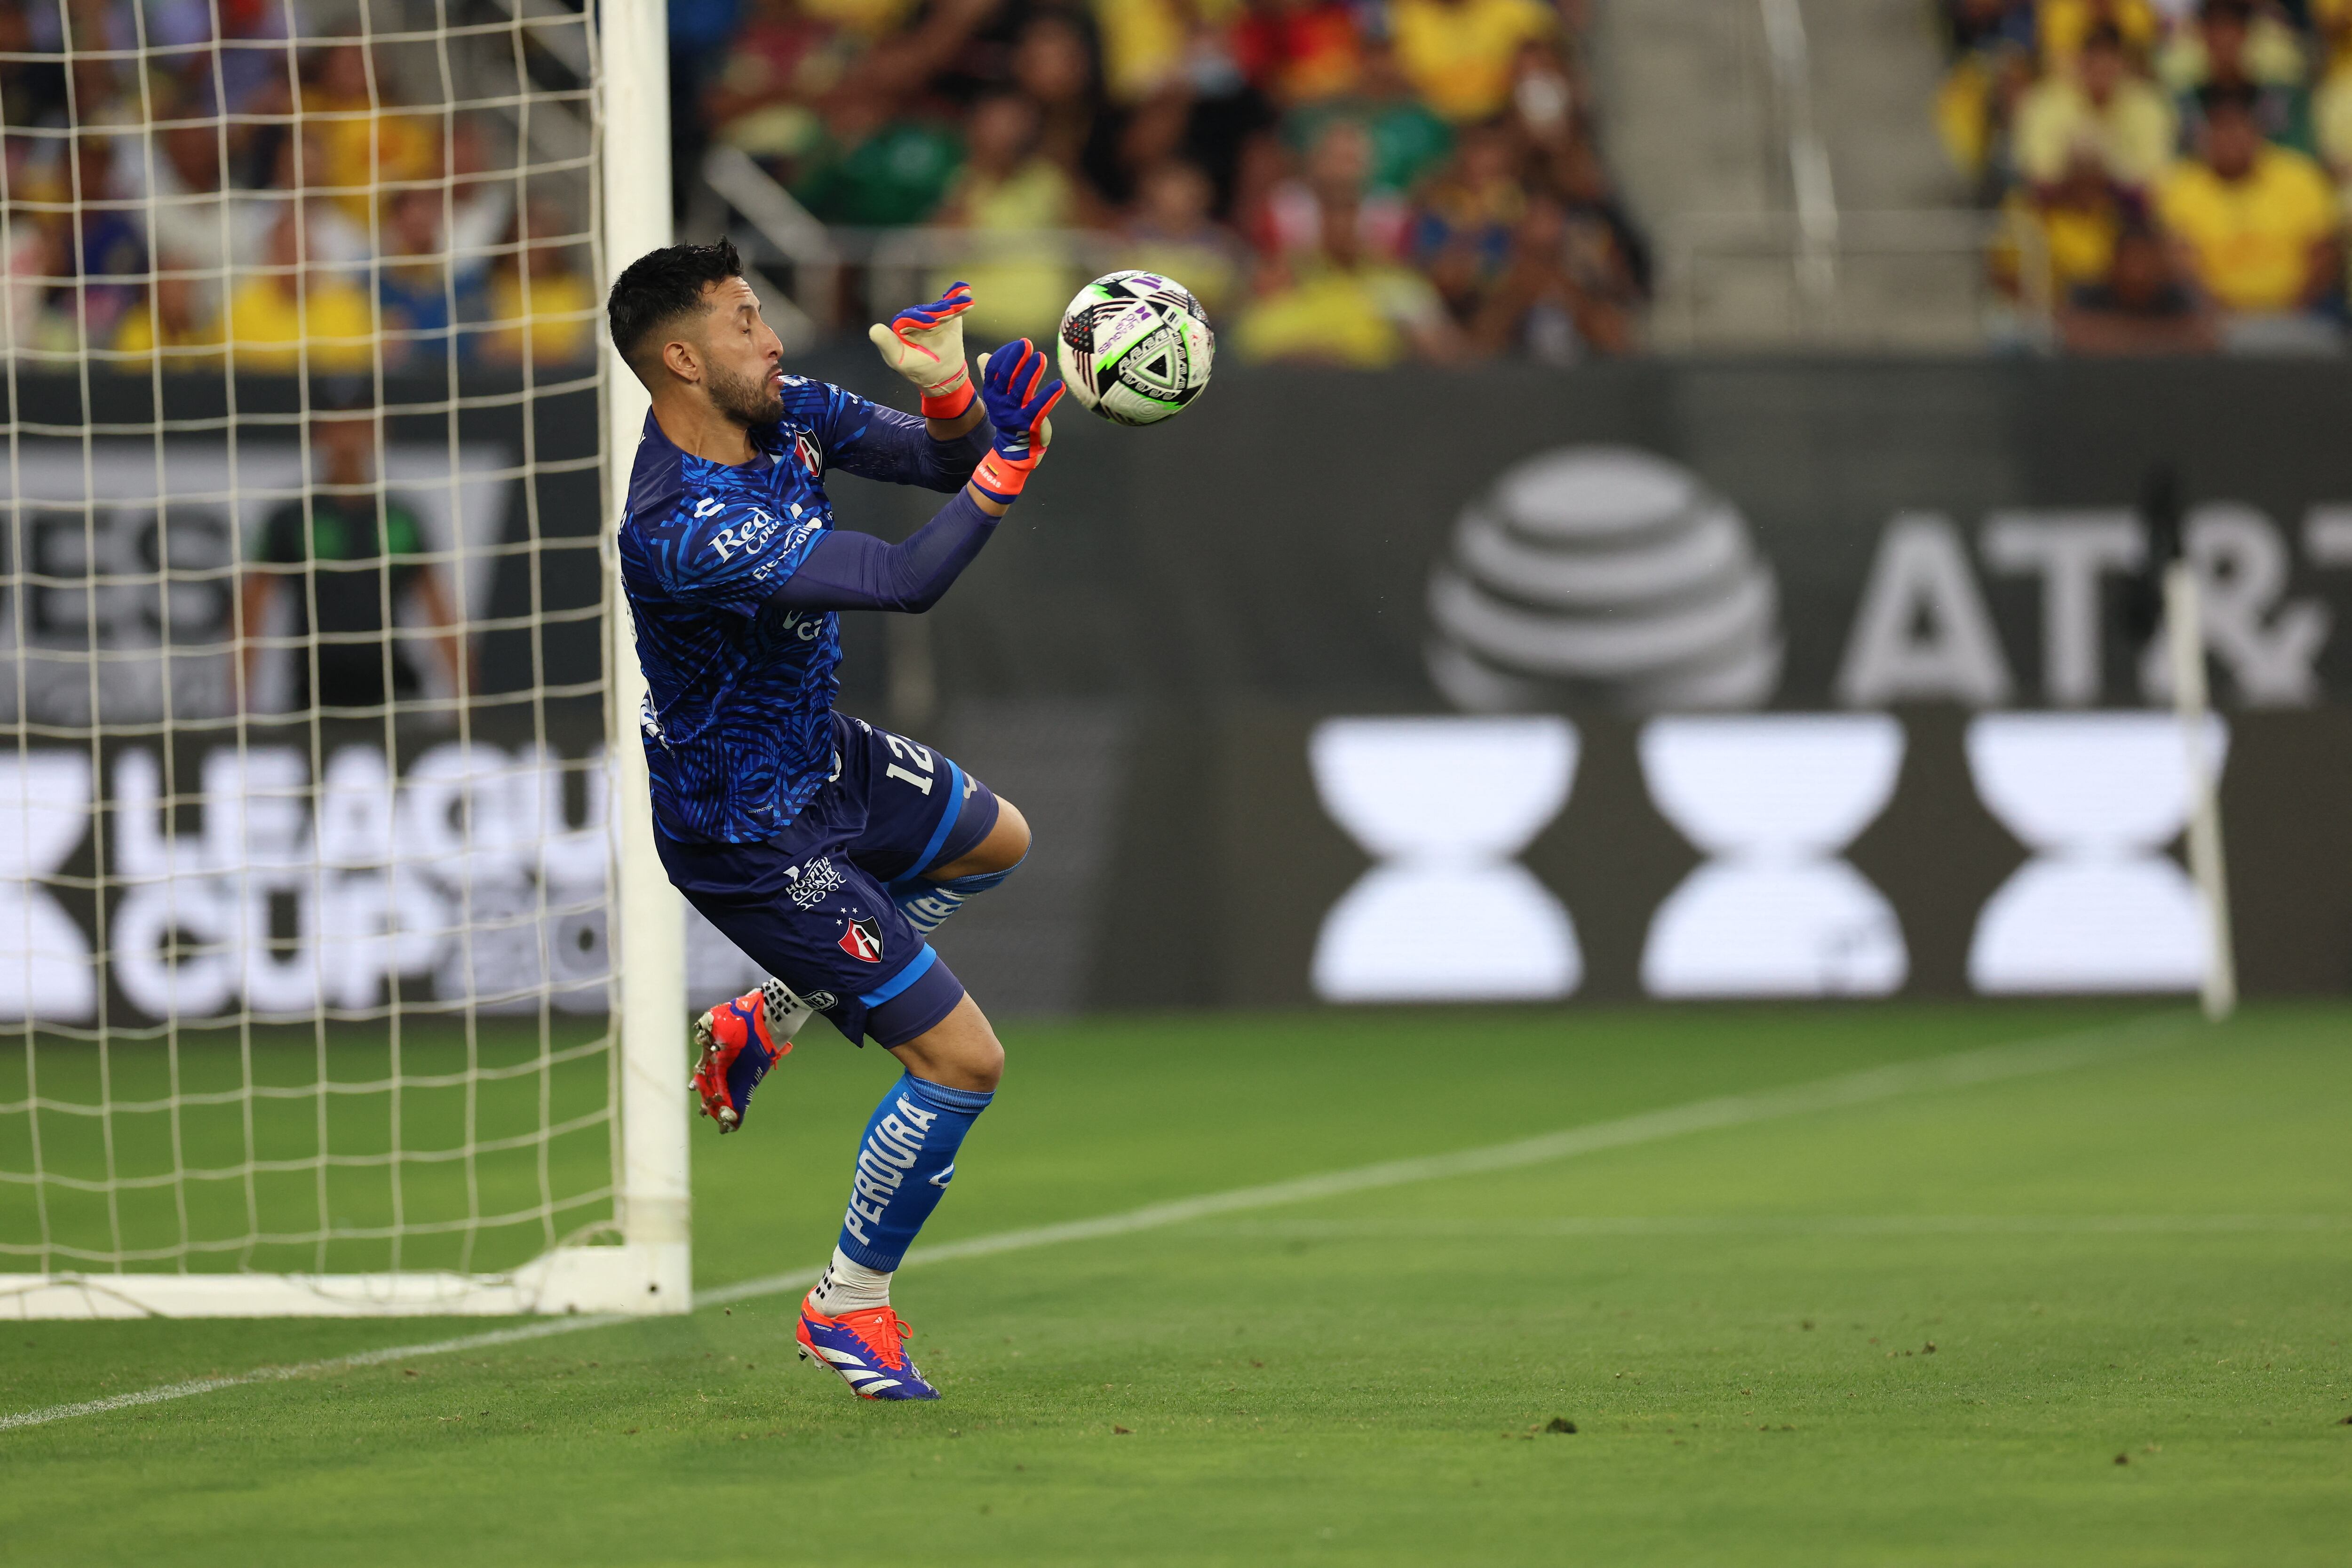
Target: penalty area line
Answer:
[[1962, 1069]]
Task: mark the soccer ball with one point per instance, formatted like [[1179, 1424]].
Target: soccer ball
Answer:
[[1136, 347]]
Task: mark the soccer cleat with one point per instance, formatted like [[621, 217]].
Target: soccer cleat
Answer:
[[866, 1349], [739, 1041]]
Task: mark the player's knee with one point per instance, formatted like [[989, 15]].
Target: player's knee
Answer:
[[972, 1058], [960, 1051], [986, 1063], [1006, 842]]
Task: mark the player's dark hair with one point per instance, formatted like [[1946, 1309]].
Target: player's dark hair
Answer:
[[662, 285]]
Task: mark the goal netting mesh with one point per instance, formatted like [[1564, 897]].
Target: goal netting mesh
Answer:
[[307, 863]]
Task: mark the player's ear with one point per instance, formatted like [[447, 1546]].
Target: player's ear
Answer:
[[682, 359]]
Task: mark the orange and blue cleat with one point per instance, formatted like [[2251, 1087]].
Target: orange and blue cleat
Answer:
[[739, 1041], [866, 1349]]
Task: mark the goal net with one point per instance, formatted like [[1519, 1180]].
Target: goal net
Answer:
[[313, 835]]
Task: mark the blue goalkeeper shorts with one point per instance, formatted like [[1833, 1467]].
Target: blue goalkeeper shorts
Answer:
[[814, 907]]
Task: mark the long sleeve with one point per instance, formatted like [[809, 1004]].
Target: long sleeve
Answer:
[[877, 442], [846, 570], [898, 448]]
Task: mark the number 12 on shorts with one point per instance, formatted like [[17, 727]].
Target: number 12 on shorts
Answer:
[[919, 755]]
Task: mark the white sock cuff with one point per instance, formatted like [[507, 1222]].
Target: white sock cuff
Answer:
[[849, 1287]]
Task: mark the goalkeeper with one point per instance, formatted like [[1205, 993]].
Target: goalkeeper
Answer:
[[823, 848]]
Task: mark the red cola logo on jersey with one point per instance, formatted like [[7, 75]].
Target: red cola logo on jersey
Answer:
[[750, 534]]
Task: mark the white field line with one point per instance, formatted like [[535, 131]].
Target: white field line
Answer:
[[1992, 1064], [305, 1369], [1769, 1224]]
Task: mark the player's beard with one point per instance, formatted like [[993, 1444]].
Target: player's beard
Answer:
[[743, 399]]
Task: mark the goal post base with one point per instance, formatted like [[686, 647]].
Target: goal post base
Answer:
[[637, 1279]]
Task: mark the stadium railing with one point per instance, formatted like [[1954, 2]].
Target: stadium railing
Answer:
[[1769, 279]]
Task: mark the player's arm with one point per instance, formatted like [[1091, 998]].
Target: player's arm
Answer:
[[859, 571]]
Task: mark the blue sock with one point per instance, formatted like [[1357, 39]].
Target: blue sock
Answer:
[[904, 1166], [928, 905]]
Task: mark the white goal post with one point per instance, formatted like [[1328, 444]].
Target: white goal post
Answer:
[[472, 1065]]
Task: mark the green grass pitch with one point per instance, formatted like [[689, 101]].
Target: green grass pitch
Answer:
[[2089, 1316]]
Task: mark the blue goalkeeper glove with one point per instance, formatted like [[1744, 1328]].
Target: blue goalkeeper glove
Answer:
[[1013, 388]]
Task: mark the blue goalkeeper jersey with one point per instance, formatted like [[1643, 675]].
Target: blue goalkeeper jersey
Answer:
[[740, 689]]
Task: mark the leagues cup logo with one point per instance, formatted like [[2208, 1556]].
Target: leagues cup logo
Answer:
[[1603, 573]]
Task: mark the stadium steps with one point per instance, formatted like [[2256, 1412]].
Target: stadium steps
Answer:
[[1698, 126]]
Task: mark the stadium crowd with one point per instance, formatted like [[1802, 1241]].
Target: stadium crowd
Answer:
[[2173, 176], [1358, 182], [231, 193]]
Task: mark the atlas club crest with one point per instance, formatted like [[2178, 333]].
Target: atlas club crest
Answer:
[[862, 940]]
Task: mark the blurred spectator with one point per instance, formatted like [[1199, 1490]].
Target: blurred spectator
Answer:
[[1172, 233], [32, 91], [871, 169], [781, 62], [2062, 27], [1464, 224], [194, 224], [220, 54], [1054, 68], [363, 144], [422, 296], [2259, 221], [1149, 46], [2102, 108], [1984, 23], [1599, 226], [38, 261], [2138, 305], [1337, 169], [1551, 302], [178, 323], [2235, 47], [871, 18], [298, 181], [2232, 42], [103, 95], [1299, 51], [481, 202], [1459, 52], [2060, 236], [1008, 190], [1408, 142], [352, 554], [107, 252], [292, 309], [2331, 105], [543, 305], [1994, 65], [886, 153], [1543, 106], [1342, 305]]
